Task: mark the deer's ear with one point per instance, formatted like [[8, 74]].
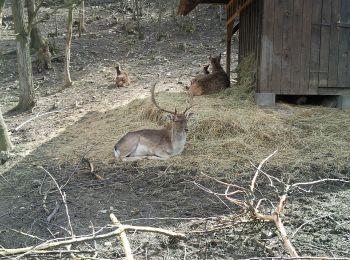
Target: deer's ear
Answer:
[[189, 115]]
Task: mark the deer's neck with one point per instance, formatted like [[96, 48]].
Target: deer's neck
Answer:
[[217, 67], [178, 140]]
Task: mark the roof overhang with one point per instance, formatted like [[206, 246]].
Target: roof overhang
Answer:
[[186, 6]]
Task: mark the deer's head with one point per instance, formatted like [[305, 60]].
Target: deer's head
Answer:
[[179, 120]]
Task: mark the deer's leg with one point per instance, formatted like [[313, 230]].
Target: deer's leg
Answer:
[[134, 158], [126, 150], [154, 157], [196, 89]]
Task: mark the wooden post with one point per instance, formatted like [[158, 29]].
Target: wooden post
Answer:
[[228, 48]]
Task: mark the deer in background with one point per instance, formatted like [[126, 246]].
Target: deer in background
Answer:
[[158, 144], [209, 83], [122, 79]]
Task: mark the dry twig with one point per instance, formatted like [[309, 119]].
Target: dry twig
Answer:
[[123, 238], [251, 206]]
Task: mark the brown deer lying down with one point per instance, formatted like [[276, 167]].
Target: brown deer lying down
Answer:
[[209, 83], [122, 79], [157, 144]]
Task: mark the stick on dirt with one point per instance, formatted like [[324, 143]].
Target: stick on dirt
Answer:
[[123, 238]]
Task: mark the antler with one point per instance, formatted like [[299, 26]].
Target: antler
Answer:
[[155, 103], [190, 105]]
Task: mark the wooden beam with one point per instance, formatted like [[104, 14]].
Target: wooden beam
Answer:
[[228, 48], [235, 28], [186, 6], [214, 1], [234, 7]]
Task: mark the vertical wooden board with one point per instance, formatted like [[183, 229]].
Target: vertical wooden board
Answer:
[[247, 21], [325, 41], [251, 33], [296, 47], [228, 48], [305, 48], [252, 27], [266, 48], [344, 42], [242, 31], [315, 45], [240, 40], [334, 44], [258, 30], [287, 33], [258, 44], [347, 18], [277, 47], [246, 35], [250, 30]]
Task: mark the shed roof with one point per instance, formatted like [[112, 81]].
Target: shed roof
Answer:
[[186, 6]]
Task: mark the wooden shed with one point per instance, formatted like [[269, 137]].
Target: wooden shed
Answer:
[[301, 47]]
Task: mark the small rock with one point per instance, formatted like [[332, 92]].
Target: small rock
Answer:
[[107, 243]]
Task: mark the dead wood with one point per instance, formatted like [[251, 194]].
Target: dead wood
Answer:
[[59, 242], [123, 238], [250, 204]]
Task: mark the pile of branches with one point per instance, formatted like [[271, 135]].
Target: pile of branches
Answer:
[[254, 206]]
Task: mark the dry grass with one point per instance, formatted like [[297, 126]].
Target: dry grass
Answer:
[[246, 71], [227, 132]]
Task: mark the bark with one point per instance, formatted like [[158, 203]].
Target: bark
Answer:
[[26, 87], [82, 18], [5, 142], [159, 34], [67, 79], [2, 4], [137, 14], [36, 41]]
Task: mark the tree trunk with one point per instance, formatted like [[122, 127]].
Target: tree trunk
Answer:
[[36, 41], [137, 13], [2, 4], [5, 142], [67, 79], [159, 34], [26, 88], [81, 18]]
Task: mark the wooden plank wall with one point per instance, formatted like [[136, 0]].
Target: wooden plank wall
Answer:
[[305, 47], [250, 29], [344, 45]]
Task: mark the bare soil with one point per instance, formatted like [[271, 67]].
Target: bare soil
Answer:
[[139, 193]]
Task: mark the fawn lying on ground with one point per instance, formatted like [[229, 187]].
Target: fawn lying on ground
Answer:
[[209, 83], [122, 79]]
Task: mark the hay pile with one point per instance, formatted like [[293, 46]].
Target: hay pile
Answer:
[[227, 132]]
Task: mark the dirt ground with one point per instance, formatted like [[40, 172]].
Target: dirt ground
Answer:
[[159, 194]]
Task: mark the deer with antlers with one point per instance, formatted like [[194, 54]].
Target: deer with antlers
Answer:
[[158, 144]]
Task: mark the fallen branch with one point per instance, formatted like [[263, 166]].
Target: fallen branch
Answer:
[[53, 213], [252, 186], [276, 219], [251, 203], [63, 196], [64, 241], [37, 116], [123, 238]]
